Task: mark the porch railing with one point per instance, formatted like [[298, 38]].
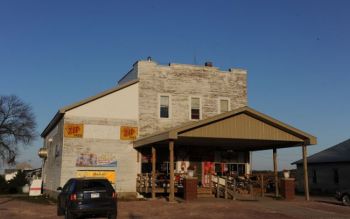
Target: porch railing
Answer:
[[228, 187], [248, 186], [144, 183]]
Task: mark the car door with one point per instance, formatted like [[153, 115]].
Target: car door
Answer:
[[64, 195]]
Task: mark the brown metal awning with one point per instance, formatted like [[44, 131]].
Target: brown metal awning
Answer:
[[243, 129]]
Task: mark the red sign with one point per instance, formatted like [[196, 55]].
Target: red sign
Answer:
[[128, 133], [73, 130]]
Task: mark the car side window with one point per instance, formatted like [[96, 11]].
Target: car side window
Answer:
[[71, 187], [66, 186]]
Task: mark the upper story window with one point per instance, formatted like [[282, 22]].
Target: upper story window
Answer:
[[336, 176], [195, 108], [224, 105], [164, 106]]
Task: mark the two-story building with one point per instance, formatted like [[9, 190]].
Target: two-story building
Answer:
[[200, 112]]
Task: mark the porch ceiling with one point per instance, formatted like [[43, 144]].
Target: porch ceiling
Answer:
[[241, 129]]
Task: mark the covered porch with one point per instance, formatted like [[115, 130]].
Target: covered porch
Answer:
[[219, 146]]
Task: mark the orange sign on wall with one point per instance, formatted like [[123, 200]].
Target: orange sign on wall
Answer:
[[73, 130], [128, 133]]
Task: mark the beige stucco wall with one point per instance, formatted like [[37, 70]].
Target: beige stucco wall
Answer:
[[122, 104], [102, 119], [102, 138]]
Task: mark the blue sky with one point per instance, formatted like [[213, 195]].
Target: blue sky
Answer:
[[297, 53]]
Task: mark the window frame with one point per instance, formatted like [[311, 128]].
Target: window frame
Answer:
[[228, 104], [169, 106], [190, 108]]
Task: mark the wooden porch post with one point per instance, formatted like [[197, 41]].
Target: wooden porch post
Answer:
[[171, 160], [275, 171], [306, 177], [153, 172]]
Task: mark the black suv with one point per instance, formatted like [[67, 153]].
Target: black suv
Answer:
[[92, 197]]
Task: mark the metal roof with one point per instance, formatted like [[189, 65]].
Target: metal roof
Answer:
[[62, 111], [243, 127], [337, 153]]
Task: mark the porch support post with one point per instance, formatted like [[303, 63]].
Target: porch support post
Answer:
[[275, 171], [306, 177], [153, 172], [171, 160]]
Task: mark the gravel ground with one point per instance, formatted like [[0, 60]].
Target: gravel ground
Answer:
[[14, 207]]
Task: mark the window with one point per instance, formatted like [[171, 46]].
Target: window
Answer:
[[57, 151], [195, 108], [67, 186], [224, 105], [336, 176], [314, 177], [164, 106], [230, 169]]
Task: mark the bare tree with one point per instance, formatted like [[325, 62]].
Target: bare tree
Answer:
[[17, 126]]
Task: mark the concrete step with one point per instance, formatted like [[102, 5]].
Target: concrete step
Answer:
[[204, 193]]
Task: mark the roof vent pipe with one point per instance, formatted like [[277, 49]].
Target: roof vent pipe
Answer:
[[208, 64]]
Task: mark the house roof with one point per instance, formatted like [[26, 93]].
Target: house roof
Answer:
[[9, 171], [244, 127], [63, 110], [337, 153]]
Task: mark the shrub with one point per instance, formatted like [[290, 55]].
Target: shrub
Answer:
[[15, 185], [3, 185]]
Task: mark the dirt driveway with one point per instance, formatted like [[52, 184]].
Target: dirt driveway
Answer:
[[203, 208]]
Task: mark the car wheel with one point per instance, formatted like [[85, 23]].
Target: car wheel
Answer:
[[68, 215], [346, 200]]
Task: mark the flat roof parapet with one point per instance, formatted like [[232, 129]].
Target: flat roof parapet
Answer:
[[237, 70]]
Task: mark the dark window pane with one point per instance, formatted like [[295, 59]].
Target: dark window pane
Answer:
[[194, 113], [164, 106], [336, 176], [164, 112], [195, 106], [314, 177], [241, 169]]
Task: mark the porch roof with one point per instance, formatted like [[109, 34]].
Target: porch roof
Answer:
[[241, 129]]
